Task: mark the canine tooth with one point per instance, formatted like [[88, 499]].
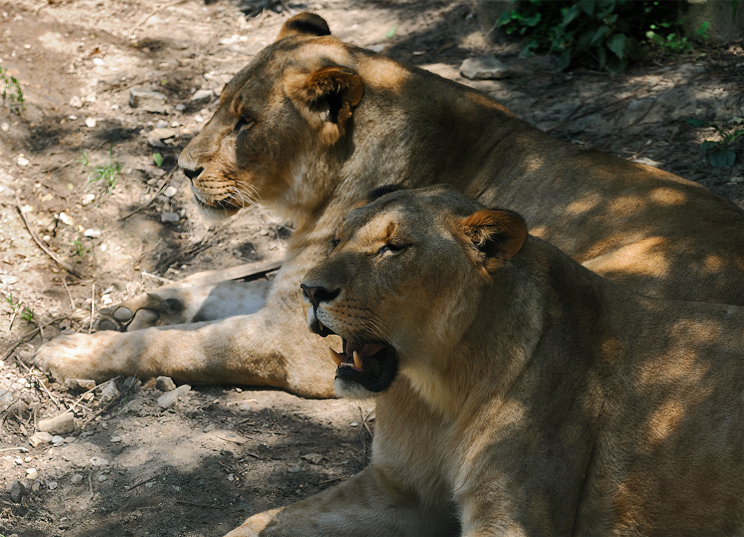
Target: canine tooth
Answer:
[[336, 357], [357, 360], [320, 325]]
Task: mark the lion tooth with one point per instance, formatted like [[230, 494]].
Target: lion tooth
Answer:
[[336, 357], [320, 325], [357, 360]]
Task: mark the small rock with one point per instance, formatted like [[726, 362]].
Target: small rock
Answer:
[[161, 124], [93, 233], [165, 384], [354, 424], [98, 461], [75, 479], [35, 487], [57, 439], [484, 68], [76, 102], [314, 458], [64, 423], [110, 391], [150, 101], [22, 161], [115, 439], [80, 385], [98, 61], [293, 470], [180, 107], [66, 219], [88, 199], [169, 398], [51, 485], [7, 279], [17, 491], [42, 437], [202, 96], [170, 191], [102, 478], [4, 127], [90, 122], [647, 162], [90, 98], [169, 217], [162, 133], [31, 473]]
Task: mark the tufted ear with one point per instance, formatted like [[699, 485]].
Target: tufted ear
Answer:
[[304, 23], [328, 96], [498, 236]]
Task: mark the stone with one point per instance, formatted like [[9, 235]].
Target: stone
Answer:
[[17, 491], [7, 279], [22, 161], [98, 461], [102, 478], [169, 217], [64, 423], [66, 219], [484, 68], [42, 437], [92, 233], [202, 97], [109, 392], [161, 124], [76, 102], [80, 385], [168, 399], [88, 199], [180, 107], [150, 101], [32, 473], [52, 485], [90, 122], [162, 133], [170, 191], [4, 127], [314, 458], [165, 384], [76, 479]]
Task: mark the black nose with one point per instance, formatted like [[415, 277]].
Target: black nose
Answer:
[[192, 173], [316, 295]]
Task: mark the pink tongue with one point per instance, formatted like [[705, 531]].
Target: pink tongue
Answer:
[[364, 350]]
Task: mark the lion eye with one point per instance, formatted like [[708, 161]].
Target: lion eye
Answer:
[[243, 124], [392, 249]]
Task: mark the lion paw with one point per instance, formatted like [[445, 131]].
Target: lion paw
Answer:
[[76, 356]]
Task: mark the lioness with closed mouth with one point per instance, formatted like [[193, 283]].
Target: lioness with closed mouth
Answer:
[[310, 126], [517, 392]]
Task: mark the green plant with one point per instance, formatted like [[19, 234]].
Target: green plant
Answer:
[[702, 32], [83, 160], [157, 158], [720, 152], [13, 304], [604, 34], [667, 39], [27, 315], [106, 174], [12, 92], [78, 249]]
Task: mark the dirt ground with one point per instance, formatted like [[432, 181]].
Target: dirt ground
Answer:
[[200, 466]]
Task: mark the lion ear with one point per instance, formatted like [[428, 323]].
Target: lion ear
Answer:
[[304, 23], [328, 96], [498, 236]]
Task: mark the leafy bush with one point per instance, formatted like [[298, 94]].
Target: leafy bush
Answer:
[[604, 34], [720, 152]]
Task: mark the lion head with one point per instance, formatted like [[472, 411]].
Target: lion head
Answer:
[[402, 282], [293, 101]]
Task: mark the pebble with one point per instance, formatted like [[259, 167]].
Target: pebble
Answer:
[[31, 473], [150, 101], [92, 233], [22, 161], [169, 398], [6, 279], [64, 423], [90, 122], [79, 385], [98, 61], [102, 478], [58, 440], [165, 384], [98, 461], [170, 191], [354, 424], [51, 485], [161, 124], [484, 68], [42, 437], [17, 491], [72, 117], [88, 199], [75, 479], [76, 102], [314, 458], [169, 217], [109, 392], [4, 127], [180, 107], [66, 219], [115, 439], [202, 96]]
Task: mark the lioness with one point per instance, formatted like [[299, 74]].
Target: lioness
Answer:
[[517, 392], [312, 124]]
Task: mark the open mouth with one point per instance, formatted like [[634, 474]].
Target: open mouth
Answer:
[[372, 365]]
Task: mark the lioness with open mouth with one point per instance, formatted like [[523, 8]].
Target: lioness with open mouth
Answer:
[[518, 393]]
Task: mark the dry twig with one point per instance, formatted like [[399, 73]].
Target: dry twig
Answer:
[[165, 184], [147, 17], [69, 295]]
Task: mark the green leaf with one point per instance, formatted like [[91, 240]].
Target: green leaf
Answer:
[[602, 57], [570, 15], [587, 6], [616, 44], [157, 158], [723, 157], [697, 123], [531, 21], [564, 60], [599, 35], [614, 64], [391, 32]]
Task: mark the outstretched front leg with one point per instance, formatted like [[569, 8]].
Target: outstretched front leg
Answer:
[[371, 504]]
